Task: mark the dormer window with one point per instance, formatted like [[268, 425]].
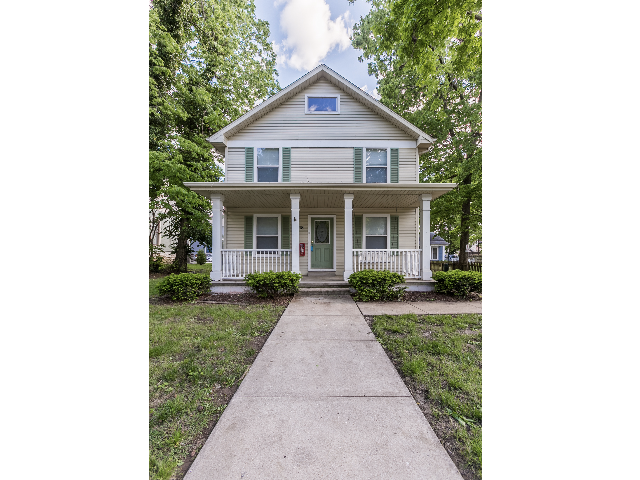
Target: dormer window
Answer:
[[322, 104]]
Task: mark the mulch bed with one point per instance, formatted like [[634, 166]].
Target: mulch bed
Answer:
[[439, 297], [229, 299]]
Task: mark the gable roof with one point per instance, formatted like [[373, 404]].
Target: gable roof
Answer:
[[436, 240], [219, 138]]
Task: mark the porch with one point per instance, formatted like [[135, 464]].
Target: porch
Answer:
[[289, 225]]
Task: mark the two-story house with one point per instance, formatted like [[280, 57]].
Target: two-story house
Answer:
[[321, 177]]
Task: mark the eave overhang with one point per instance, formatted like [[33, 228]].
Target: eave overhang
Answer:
[[317, 195]]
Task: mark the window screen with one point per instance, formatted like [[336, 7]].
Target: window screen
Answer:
[[322, 104], [376, 164], [376, 232], [266, 233], [268, 164]]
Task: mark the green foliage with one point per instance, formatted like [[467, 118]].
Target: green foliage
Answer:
[[185, 287], [201, 257], [209, 62], [155, 264], [427, 57], [271, 284], [374, 285], [458, 282]]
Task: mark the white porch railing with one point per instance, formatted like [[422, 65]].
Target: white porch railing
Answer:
[[240, 262], [405, 262]]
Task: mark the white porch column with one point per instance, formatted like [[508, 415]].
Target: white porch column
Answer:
[[425, 238], [295, 232], [348, 235], [216, 237]]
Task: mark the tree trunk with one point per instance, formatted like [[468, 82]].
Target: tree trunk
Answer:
[[464, 227], [180, 262]]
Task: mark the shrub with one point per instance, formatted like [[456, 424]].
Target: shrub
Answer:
[[155, 264], [377, 285], [270, 284], [201, 257], [458, 282], [185, 287]]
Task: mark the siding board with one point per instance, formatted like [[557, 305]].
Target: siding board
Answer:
[[289, 121]]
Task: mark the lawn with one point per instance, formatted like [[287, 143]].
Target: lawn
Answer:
[[440, 360], [198, 354]]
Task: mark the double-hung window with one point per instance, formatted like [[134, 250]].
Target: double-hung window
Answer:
[[434, 253], [322, 104], [267, 228], [376, 232], [268, 164], [376, 165]]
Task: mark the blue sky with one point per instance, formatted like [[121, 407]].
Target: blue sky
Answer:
[[306, 33]]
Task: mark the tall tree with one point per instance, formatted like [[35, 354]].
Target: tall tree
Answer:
[[209, 62], [427, 57]]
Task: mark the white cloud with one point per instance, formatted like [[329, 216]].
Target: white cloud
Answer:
[[310, 33], [374, 93]]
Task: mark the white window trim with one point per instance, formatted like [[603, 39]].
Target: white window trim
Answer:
[[364, 229], [255, 232], [306, 104], [364, 163], [436, 247], [255, 164]]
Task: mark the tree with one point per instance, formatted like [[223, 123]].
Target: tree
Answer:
[[427, 57], [209, 62]]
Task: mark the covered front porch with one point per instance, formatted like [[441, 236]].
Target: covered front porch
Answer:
[[313, 226]]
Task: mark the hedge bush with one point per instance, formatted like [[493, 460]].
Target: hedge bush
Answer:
[[185, 287], [371, 285], [201, 257], [458, 282], [271, 284]]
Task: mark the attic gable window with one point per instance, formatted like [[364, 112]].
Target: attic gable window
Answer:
[[325, 104]]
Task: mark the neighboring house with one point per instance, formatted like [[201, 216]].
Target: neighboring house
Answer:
[[437, 247], [321, 177]]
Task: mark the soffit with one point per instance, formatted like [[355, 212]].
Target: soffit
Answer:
[[326, 196]]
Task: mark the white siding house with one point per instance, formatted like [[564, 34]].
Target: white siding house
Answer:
[[321, 177]]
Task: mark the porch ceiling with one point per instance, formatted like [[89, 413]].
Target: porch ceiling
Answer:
[[256, 195]]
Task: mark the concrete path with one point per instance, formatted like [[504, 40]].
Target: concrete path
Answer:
[[419, 308], [322, 400]]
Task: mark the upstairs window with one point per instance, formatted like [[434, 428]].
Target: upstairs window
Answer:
[[377, 165], [326, 104], [268, 164]]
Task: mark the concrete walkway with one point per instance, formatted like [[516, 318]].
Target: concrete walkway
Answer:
[[322, 400], [419, 308]]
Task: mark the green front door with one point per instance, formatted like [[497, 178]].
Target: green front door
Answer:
[[322, 243]]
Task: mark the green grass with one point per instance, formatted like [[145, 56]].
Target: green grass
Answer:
[[442, 356], [195, 268], [195, 351], [153, 287]]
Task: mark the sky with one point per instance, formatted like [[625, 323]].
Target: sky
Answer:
[[306, 33]]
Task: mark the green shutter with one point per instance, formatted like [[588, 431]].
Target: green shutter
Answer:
[[284, 229], [357, 231], [357, 166], [286, 165], [248, 232], [394, 230], [394, 166], [248, 165]]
